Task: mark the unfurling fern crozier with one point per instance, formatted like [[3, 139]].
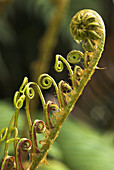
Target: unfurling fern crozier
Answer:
[[86, 27]]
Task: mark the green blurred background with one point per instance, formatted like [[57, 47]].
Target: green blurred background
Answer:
[[32, 32]]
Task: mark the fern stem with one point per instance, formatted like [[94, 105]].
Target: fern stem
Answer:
[[28, 114], [93, 49], [9, 134]]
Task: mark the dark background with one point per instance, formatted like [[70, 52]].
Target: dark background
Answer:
[[22, 26]]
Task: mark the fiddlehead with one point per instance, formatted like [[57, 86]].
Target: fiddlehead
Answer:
[[45, 82], [78, 75], [19, 96], [8, 162], [38, 126], [30, 92], [63, 89], [87, 28], [24, 144], [30, 95], [50, 106], [74, 56], [59, 66], [18, 100], [3, 134]]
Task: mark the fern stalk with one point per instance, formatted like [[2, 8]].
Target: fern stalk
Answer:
[[87, 28], [94, 55]]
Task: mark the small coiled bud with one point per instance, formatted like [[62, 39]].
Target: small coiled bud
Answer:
[[8, 162], [3, 134], [63, 87], [23, 144], [45, 81], [74, 56], [50, 106], [58, 64], [78, 74], [18, 100], [38, 126], [30, 91]]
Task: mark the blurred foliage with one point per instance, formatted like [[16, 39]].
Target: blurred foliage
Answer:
[[78, 145], [7, 34], [84, 148], [54, 165]]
